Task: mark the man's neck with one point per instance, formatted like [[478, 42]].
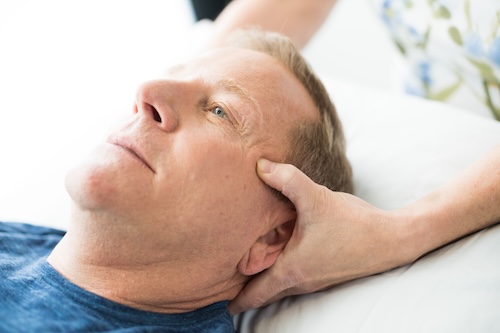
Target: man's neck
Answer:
[[110, 271]]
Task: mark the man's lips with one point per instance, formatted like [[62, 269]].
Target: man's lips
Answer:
[[132, 149]]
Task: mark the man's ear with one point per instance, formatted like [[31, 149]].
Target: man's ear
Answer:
[[266, 249]]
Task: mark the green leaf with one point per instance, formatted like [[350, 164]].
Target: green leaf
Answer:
[[446, 92], [467, 15], [443, 12], [484, 69], [423, 44], [400, 46], [455, 35], [489, 101]]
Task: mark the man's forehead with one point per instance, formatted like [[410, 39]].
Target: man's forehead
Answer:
[[243, 71], [225, 56], [224, 81]]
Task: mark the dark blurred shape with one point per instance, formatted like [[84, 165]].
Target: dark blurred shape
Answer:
[[208, 9]]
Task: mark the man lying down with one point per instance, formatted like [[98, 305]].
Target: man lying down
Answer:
[[169, 218]]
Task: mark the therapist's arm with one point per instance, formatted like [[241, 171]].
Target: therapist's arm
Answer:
[[298, 19], [467, 204], [339, 237]]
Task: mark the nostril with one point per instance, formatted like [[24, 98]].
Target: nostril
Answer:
[[156, 115]]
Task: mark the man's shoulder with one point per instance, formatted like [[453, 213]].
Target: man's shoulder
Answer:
[[16, 228], [21, 243]]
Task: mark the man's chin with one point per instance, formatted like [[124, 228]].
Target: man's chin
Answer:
[[94, 182], [87, 187], [110, 181]]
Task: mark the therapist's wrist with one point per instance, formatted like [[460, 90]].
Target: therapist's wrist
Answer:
[[391, 241], [403, 238], [419, 231]]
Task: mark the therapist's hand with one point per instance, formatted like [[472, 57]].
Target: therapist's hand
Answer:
[[337, 237]]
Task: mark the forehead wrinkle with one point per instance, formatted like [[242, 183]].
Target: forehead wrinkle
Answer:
[[253, 117]]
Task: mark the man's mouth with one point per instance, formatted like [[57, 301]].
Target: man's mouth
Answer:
[[129, 147]]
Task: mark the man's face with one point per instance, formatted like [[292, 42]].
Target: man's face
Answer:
[[179, 173]]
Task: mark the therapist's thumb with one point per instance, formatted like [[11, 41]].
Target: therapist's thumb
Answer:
[[287, 179]]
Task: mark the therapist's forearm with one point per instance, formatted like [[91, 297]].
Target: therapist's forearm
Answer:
[[298, 19], [468, 203]]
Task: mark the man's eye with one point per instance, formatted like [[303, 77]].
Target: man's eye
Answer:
[[219, 112]]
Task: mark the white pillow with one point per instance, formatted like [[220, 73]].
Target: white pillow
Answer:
[[401, 148]]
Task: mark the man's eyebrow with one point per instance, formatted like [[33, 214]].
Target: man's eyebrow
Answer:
[[232, 86], [228, 84]]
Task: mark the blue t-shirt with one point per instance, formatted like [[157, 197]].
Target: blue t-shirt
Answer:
[[34, 297]]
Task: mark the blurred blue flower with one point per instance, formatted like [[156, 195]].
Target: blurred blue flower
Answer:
[[494, 51], [413, 31], [386, 17], [391, 15], [423, 72], [414, 90], [474, 45]]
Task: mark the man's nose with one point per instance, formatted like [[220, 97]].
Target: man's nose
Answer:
[[160, 100]]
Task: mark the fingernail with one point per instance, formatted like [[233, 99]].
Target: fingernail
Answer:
[[265, 166]]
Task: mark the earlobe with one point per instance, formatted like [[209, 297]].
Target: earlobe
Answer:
[[266, 249]]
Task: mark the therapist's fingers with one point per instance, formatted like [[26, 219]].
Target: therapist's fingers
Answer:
[[290, 181], [289, 273], [271, 285]]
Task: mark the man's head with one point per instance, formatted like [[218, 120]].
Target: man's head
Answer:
[[315, 147], [175, 186]]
